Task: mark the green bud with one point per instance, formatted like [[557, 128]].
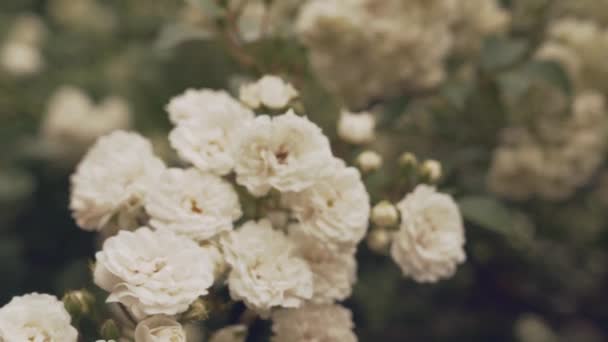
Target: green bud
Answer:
[[408, 160], [198, 311], [430, 171], [78, 303], [109, 330]]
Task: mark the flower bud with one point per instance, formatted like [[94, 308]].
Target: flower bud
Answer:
[[109, 330], [408, 160], [78, 303], [369, 161], [198, 311], [430, 171], [356, 128], [384, 214], [378, 240]]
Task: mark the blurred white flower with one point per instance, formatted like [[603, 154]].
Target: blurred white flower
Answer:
[[327, 323], [286, 152], [265, 273], [431, 170], [112, 179], [159, 329], [334, 273], [192, 203], [232, 333], [356, 128], [206, 127], [429, 244], [475, 20], [153, 272], [21, 59], [335, 210], [36, 317], [72, 122], [269, 91]]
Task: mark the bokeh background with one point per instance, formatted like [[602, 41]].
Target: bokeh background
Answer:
[[537, 260]]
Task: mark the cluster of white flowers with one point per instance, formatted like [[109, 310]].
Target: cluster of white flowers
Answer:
[[430, 242], [36, 317], [555, 157], [365, 49], [73, 122], [21, 55], [176, 233]]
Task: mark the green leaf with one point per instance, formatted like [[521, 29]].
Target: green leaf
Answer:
[[487, 212], [551, 72], [498, 53]]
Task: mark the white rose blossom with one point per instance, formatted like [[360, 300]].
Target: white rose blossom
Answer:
[[356, 128], [286, 152], [206, 126], [153, 272], [231, 333], [159, 329], [269, 91], [429, 244], [192, 203], [36, 317], [112, 178], [334, 273], [327, 323], [335, 210], [266, 272]]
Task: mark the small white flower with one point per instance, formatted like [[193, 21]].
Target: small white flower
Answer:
[[431, 170], [192, 204], [369, 161], [429, 244], [159, 329], [36, 317], [232, 333], [356, 128], [206, 126], [335, 210], [153, 272], [334, 273], [327, 323], [265, 273], [270, 91], [112, 179], [286, 152]]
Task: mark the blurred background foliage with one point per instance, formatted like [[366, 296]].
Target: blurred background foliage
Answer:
[[536, 268]]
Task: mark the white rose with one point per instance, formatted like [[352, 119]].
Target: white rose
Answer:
[[270, 91], [192, 204], [206, 125], [153, 272], [233, 333], [112, 179], [159, 329], [286, 152], [335, 210], [356, 128], [36, 317], [429, 244], [327, 323], [265, 273], [334, 273]]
